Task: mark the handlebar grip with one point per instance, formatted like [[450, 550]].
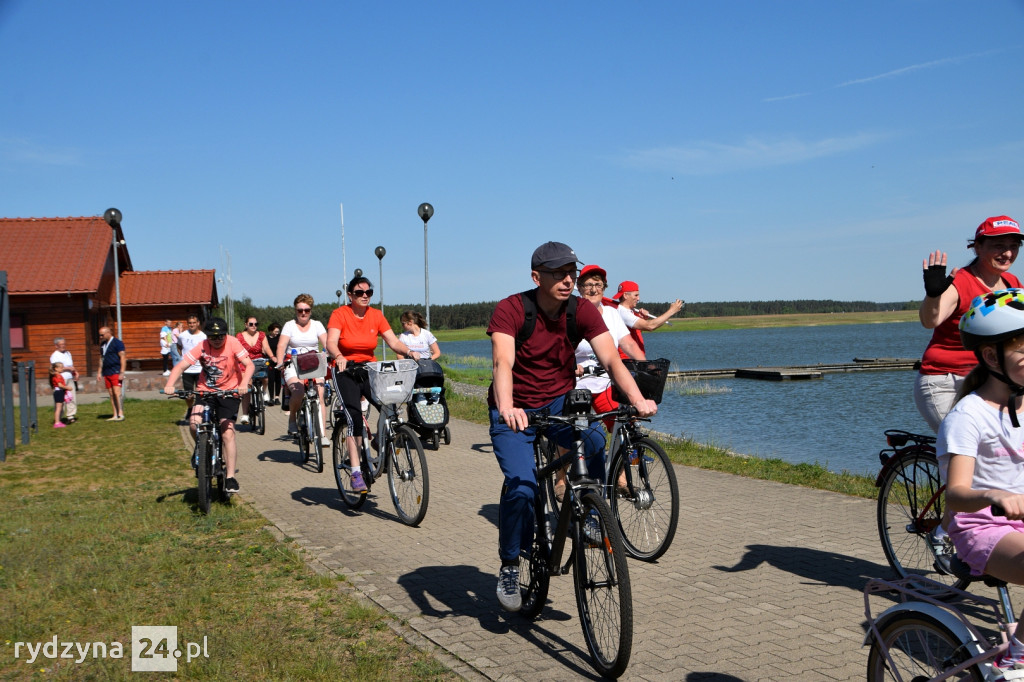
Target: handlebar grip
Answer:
[[997, 510]]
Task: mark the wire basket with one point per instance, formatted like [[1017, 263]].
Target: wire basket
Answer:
[[391, 383], [650, 376]]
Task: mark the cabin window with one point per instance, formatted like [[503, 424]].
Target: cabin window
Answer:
[[17, 331]]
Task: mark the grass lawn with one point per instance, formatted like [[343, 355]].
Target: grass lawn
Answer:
[[99, 532]]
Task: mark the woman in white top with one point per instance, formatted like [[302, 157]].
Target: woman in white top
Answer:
[[417, 337], [592, 282], [305, 335]]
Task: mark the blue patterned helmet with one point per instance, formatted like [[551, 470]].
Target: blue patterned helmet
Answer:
[[992, 318]]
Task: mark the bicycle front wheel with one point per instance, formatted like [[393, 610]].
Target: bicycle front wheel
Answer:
[[302, 434], [910, 504], [407, 475], [343, 468], [920, 648], [259, 412], [603, 594], [318, 444], [204, 473], [647, 508], [534, 578]]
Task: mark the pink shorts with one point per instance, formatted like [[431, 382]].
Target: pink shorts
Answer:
[[976, 534], [112, 380]]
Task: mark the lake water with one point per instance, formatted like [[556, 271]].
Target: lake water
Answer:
[[836, 421]]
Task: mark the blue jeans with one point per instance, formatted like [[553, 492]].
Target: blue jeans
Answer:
[[514, 451]]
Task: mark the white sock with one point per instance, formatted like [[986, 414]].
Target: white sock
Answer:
[[1016, 650], [357, 470]]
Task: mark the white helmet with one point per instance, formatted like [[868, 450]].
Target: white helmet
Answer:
[[993, 318]]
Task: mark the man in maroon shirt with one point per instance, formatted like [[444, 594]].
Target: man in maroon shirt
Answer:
[[536, 376]]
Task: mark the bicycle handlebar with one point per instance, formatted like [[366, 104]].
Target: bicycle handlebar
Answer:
[[997, 510], [183, 394], [620, 412]]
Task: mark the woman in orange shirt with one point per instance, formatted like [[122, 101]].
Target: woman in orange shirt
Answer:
[[352, 334]]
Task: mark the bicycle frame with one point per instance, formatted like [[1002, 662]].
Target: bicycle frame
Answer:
[[577, 479]]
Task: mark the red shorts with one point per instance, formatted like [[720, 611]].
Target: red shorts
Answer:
[[112, 380], [602, 403]]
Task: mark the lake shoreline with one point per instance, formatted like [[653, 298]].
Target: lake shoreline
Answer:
[[687, 324]]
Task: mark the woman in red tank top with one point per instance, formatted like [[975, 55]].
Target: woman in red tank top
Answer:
[[945, 363], [255, 344]]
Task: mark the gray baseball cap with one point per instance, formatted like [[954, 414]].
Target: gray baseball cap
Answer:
[[553, 255]]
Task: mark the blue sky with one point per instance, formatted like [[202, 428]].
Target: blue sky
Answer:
[[708, 150]]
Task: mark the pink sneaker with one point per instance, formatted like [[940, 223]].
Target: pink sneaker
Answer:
[[59, 425]]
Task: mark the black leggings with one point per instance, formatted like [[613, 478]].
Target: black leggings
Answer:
[[353, 385], [273, 382]]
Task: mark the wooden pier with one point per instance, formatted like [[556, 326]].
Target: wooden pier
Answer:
[[800, 372]]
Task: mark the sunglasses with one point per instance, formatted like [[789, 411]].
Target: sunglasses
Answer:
[[215, 337], [251, 324], [303, 310], [356, 293]]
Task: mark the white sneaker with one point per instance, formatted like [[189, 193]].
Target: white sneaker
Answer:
[[325, 441], [266, 397], [167, 372], [244, 419], [508, 588]]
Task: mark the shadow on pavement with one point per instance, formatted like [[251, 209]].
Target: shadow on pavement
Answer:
[[453, 591], [824, 568], [489, 512], [712, 677], [282, 456]]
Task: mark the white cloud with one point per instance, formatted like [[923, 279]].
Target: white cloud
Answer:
[[712, 158]]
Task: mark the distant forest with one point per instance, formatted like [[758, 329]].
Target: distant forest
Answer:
[[462, 315]]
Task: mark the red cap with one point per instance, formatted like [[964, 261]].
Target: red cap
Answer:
[[592, 270], [626, 287], [997, 226]]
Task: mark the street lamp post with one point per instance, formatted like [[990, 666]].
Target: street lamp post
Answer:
[[112, 217], [426, 212], [379, 252], [338, 294]]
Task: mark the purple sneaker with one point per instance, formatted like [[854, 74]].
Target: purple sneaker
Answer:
[[358, 485]]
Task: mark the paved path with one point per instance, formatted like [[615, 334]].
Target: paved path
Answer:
[[762, 582]]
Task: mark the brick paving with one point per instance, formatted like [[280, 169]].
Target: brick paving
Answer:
[[763, 581]]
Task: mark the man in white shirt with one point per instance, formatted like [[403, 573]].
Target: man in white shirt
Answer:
[[63, 355], [637, 319], [187, 340]]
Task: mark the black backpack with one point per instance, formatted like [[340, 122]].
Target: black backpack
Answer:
[[529, 299]]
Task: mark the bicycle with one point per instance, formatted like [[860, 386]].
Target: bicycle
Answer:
[[257, 405], [928, 637], [308, 422], [647, 507], [206, 456], [597, 557], [399, 450], [910, 509]]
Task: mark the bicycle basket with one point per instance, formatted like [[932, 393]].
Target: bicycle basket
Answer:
[[391, 383], [310, 365], [261, 368], [650, 376]]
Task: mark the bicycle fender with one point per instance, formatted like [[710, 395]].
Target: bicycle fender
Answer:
[[938, 613], [891, 462]]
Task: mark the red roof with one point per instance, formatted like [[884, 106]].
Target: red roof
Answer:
[[168, 287], [56, 255]]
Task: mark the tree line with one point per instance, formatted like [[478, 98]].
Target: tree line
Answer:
[[462, 315]]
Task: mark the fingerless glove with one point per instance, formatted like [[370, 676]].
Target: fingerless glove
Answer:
[[936, 281]]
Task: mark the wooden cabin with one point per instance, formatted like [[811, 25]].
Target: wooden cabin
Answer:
[[60, 275]]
